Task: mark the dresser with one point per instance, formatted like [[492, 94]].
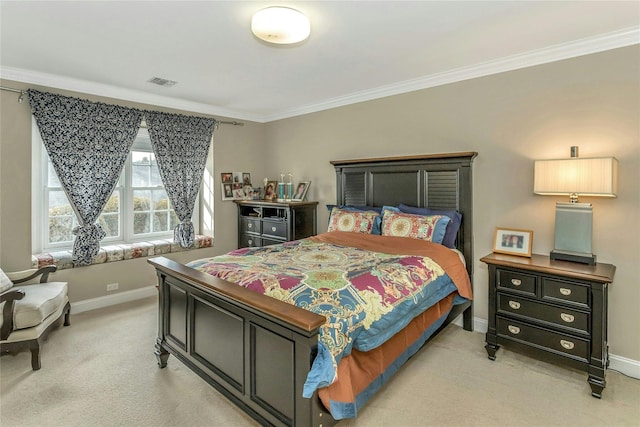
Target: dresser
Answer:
[[262, 223], [555, 310]]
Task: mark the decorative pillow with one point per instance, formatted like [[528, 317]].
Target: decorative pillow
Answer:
[[453, 226], [5, 282], [352, 220], [376, 224], [430, 228], [355, 208]]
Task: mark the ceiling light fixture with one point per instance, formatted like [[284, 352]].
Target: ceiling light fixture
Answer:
[[280, 25]]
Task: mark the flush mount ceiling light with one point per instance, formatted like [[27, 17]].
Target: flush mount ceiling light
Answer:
[[280, 25]]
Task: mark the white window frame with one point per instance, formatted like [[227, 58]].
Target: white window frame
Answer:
[[40, 201]]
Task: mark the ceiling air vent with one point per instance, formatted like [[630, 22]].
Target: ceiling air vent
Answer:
[[161, 82]]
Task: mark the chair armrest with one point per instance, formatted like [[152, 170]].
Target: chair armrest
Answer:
[[9, 298], [23, 276]]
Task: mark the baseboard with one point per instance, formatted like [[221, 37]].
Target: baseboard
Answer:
[[479, 325], [625, 366], [628, 367], [108, 300]]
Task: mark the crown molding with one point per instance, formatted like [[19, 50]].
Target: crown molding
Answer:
[[587, 46], [617, 39], [108, 91]]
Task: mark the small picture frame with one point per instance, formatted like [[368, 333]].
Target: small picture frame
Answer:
[[257, 193], [227, 191], [226, 177], [271, 191], [513, 241], [300, 191]]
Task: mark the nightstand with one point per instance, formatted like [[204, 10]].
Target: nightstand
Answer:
[[551, 308], [262, 223]]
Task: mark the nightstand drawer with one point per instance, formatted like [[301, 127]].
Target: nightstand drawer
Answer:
[[250, 225], [566, 318], [517, 281], [560, 290], [544, 339], [274, 228]]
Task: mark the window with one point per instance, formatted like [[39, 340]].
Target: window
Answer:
[[137, 210]]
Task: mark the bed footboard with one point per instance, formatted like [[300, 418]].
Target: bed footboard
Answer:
[[255, 350]]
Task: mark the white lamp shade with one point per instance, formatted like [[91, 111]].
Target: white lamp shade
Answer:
[[582, 176], [280, 25]]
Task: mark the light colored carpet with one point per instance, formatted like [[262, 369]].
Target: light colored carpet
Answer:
[[101, 371]]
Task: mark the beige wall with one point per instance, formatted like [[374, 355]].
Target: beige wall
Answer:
[[235, 148], [510, 119]]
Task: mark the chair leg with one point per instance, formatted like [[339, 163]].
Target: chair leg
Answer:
[[67, 313], [34, 346]]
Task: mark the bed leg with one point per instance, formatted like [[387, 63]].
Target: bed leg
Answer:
[[467, 319], [161, 354]]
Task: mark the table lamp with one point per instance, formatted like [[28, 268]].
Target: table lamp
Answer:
[[593, 177]]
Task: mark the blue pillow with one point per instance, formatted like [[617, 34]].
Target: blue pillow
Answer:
[[376, 224], [453, 226]]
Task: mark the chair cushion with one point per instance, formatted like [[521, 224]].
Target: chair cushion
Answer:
[[39, 302], [5, 282]]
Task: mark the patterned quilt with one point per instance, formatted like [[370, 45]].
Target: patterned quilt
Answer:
[[366, 295]]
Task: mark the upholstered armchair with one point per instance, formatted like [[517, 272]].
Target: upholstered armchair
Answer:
[[30, 311]]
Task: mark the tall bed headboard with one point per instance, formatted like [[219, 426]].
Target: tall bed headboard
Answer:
[[437, 181]]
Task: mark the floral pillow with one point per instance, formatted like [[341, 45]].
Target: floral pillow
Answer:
[[351, 220], [423, 227], [453, 226]]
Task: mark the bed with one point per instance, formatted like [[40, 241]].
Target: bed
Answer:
[[262, 353]]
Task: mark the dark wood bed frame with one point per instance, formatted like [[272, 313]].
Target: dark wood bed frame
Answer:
[[256, 350]]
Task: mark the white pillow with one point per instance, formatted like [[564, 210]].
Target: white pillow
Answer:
[[5, 282]]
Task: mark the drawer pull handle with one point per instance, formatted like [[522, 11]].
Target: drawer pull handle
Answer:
[[514, 304], [567, 344], [514, 329], [249, 225], [516, 282], [569, 318], [565, 291], [250, 242], [273, 229]]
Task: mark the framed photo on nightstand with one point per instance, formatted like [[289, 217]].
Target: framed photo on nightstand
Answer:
[[513, 241]]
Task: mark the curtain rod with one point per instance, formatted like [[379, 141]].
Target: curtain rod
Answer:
[[24, 92], [20, 91]]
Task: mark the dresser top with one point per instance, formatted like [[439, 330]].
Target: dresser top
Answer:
[[599, 272], [267, 203]]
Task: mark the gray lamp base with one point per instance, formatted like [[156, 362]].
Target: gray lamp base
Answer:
[[582, 258]]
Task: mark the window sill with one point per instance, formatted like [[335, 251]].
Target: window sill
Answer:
[[113, 253]]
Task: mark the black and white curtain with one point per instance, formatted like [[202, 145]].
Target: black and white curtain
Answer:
[[88, 143], [181, 144]]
